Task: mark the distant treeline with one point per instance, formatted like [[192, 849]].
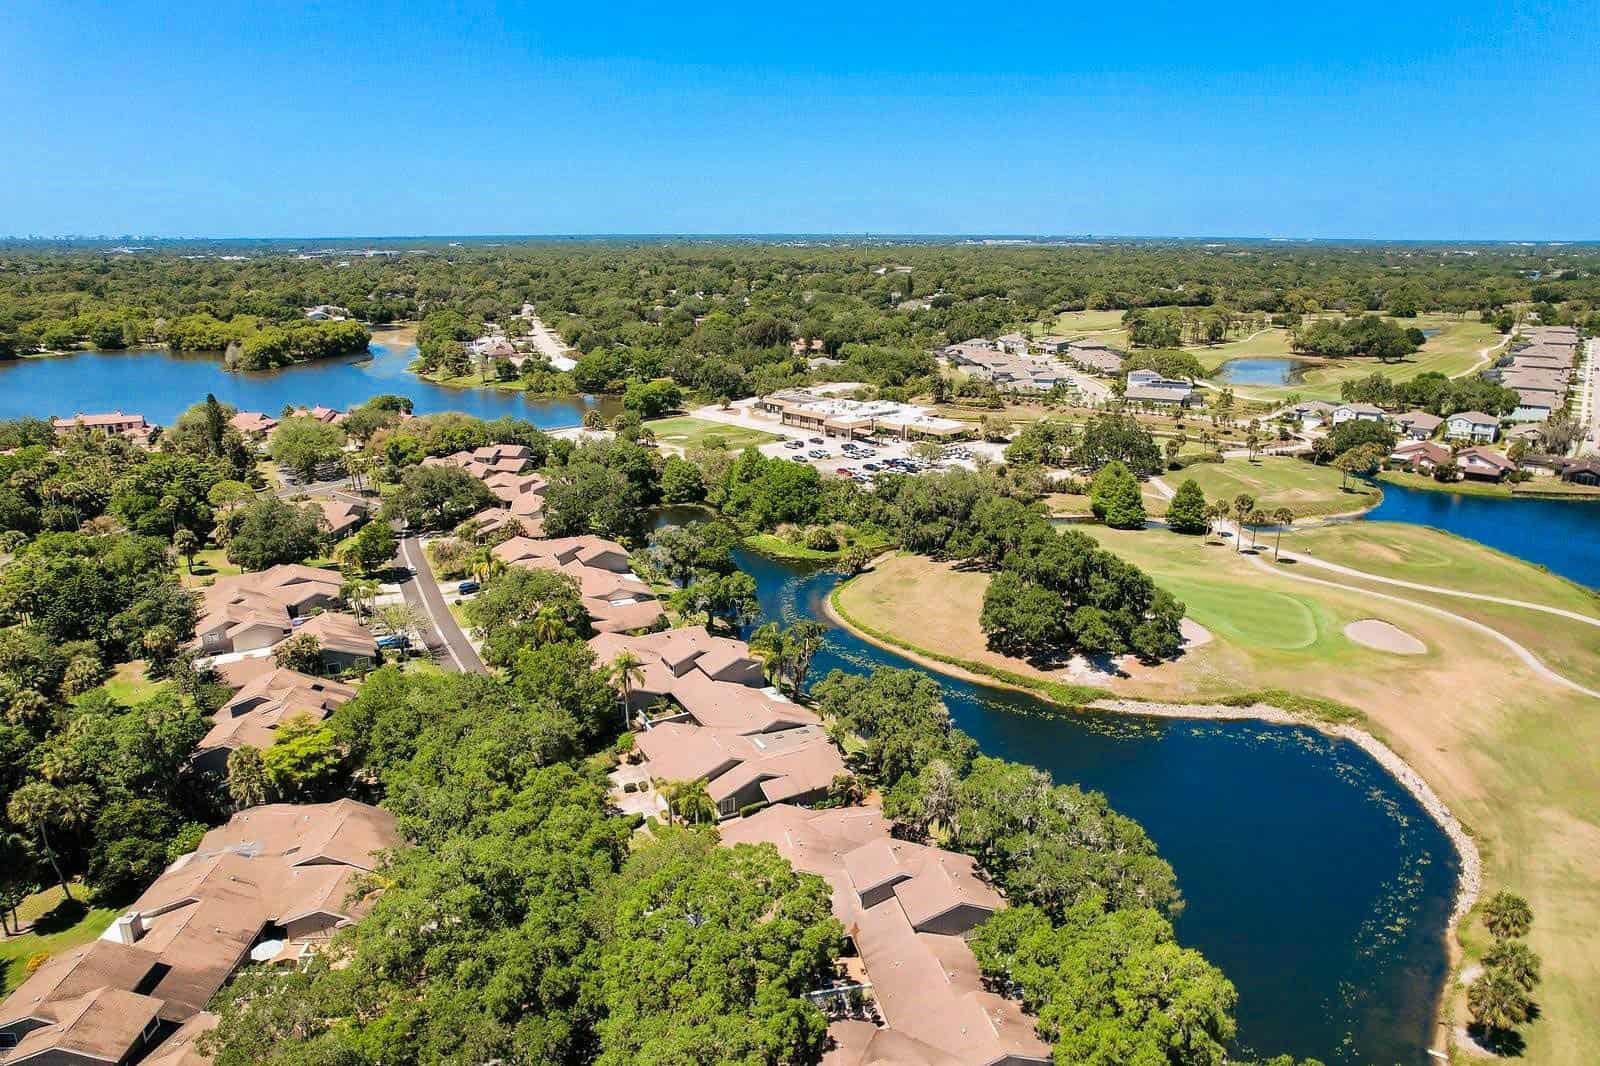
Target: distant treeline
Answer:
[[720, 318]]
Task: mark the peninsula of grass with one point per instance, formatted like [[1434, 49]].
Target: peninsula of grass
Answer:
[[1071, 696], [687, 433], [770, 544], [1280, 481], [471, 380]]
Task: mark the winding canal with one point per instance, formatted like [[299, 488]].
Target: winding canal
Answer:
[[1317, 883]]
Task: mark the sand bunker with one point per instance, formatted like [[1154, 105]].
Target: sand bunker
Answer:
[[1194, 634], [1371, 633]]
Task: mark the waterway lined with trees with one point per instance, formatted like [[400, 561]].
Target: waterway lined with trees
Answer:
[[1315, 881]]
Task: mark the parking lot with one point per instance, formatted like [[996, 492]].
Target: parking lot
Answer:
[[864, 460], [841, 457]]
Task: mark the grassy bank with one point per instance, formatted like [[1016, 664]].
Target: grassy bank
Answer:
[[1539, 488], [1065, 694], [1280, 481]]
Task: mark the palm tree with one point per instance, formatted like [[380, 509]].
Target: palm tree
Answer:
[[400, 618], [359, 592], [769, 644], [689, 799], [627, 670], [35, 805], [486, 565], [548, 626], [1258, 518], [805, 639], [185, 543], [1507, 915], [1243, 504], [1284, 517], [1216, 512], [1515, 959], [1497, 1001]]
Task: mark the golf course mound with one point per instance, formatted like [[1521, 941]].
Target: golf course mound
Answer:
[[1373, 633]]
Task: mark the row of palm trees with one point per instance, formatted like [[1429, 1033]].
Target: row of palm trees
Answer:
[[1244, 512]]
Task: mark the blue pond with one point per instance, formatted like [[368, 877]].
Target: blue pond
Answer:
[[1561, 535], [160, 385], [1261, 370]]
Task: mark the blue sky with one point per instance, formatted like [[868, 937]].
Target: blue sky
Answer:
[[1400, 120]]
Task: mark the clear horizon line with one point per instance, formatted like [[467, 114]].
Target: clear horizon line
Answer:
[[842, 235]]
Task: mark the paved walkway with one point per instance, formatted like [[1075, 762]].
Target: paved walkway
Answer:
[[1533, 662], [1441, 590], [422, 590]]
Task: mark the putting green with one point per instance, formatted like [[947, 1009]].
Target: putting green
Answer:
[[1256, 617]]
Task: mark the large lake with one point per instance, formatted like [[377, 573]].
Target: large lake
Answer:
[[160, 385], [1561, 535]]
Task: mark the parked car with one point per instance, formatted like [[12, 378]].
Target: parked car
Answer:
[[871, 466], [794, 444], [394, 642], [467, 586], [843, 471], [817, 440], [818, 453]]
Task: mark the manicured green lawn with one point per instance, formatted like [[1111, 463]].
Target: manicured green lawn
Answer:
[[1453, 351], [129, 685], [209, 564], [1101, 325], [52, 931], [1278, 481], [686, 433]]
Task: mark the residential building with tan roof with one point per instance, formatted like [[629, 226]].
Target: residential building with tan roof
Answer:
[[712, 681], [341, 515], [1472, 425], [1484, 463], [1421, 455], [907, 908], [253, 423], [616, 599], [247, 612], [329, 416], [498, 523], [793, 765], [272, 885], [346, 644], [109, 424], [255, 712], [1418, 425]]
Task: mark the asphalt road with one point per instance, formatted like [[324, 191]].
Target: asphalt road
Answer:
[[445, 640]]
